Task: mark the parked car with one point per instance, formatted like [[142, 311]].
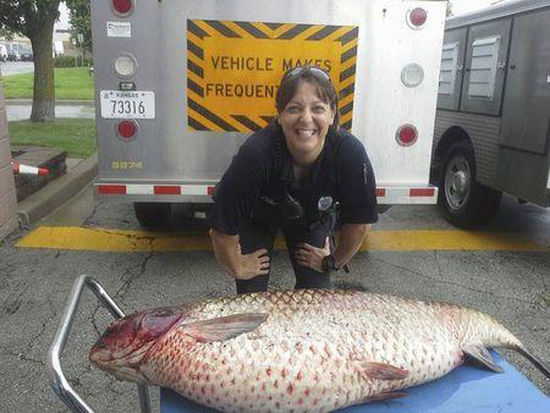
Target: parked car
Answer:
[[14, 56], [27, 56]]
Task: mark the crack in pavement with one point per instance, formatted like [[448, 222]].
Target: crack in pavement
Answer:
[[133, 238], [436, 259], [23, 357], [127, 283], [123, 290], [455, 284], [12, 304], [34, 339], [86, 220]]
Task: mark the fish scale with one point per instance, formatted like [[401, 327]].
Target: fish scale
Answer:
[[318, 350], [300, 319]]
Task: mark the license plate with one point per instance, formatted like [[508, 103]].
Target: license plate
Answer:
[[117, 104]]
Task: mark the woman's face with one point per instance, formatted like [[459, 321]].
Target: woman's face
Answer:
[[305, 121]]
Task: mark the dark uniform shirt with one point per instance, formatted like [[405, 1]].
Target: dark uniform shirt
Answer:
[[342, 174]]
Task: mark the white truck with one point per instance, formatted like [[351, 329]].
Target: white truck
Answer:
[[181, 84], [492, 129]]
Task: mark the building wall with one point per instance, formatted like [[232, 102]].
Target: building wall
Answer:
[[8, 203]]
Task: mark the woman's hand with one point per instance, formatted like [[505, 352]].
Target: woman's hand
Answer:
[[227, 249], [253, 264], [312, 257]]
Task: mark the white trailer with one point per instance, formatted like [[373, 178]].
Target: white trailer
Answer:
[[181, 84]]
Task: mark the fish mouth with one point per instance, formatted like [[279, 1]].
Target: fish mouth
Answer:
[[124, 367]]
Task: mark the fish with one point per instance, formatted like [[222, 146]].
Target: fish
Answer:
[[299, 350]]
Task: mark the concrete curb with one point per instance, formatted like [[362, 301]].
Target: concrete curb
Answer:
[[57, 192], [58, 102]]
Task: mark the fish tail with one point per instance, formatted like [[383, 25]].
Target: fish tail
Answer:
[[539, 364], [491, 333]]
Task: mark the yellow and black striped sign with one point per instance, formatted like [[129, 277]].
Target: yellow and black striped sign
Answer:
[[234, 69]]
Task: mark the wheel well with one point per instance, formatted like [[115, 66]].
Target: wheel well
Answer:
[[451, 136]]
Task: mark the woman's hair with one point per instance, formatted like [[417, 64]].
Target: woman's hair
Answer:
[[314, 75]]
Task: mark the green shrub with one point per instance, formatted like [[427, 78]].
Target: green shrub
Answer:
[[69, 61]]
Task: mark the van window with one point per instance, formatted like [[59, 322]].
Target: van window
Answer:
[[447, 74], [483, 68]]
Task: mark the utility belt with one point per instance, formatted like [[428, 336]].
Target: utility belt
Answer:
[[291, 211]]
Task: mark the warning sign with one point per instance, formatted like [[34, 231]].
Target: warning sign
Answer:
[[234, 69]]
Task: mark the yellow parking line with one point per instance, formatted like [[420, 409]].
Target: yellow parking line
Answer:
[[440, 240], [101, 239]]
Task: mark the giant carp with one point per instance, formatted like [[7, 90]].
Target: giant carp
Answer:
[[302, 350]]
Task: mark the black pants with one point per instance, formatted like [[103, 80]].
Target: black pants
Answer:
[[259, 232]]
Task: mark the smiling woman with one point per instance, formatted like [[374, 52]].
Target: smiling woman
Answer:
[[296, 175]]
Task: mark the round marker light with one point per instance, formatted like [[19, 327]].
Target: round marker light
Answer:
[[127, 129], [406, 135], [123, 7], [417, 17], [412, 75], [125, 65]]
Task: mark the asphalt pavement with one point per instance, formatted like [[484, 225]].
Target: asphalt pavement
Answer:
[[19, 110], [510, 285]]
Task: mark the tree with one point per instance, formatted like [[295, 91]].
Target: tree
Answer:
[[35, 19], [6, 33], [81, 21], [449, 9]]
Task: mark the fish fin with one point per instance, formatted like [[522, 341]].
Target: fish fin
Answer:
[[383, 371], [386, 396], [224, 328], [482, 355], [539, 364]]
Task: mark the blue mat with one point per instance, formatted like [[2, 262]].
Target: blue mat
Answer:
[[466, 389]]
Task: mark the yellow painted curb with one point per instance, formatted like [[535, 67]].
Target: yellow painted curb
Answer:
[[113, 240]]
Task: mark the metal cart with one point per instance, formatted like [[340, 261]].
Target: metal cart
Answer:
[[58, 380]]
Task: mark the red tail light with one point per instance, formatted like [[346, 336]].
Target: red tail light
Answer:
[[417, 17], [127, 129], [406, 135], [123, 7]]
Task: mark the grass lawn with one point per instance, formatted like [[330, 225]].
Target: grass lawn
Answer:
[[76, 136], [70, 83]]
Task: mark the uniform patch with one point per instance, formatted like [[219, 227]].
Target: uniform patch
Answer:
[[324, 203]]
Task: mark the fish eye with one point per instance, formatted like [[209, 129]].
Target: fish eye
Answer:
[[113, 327]]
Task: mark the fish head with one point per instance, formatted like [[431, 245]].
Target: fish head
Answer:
[[125, 343]]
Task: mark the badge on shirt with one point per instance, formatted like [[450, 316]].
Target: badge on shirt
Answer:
[[324, 203]]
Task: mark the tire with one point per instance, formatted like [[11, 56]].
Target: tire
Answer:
[[153, 215], [464, 202]]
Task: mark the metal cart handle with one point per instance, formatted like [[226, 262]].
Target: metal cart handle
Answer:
[[58, 381]]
